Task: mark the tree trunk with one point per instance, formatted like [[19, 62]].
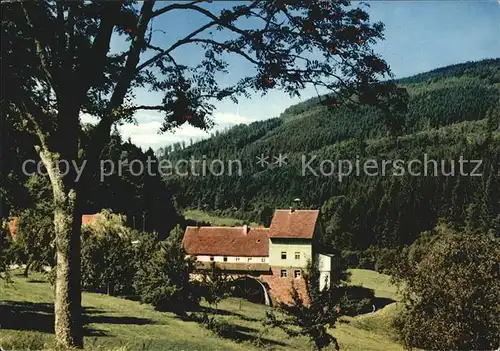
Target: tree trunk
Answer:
[[110, 289], [27, 269], [67, 225]]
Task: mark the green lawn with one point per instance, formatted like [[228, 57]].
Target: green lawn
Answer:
[[26, 322], [372, 331], [200, 216], [380, 283]]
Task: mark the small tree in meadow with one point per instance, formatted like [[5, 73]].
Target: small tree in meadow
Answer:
[[5, 246], [215, 285], [164, 282], [450, 284], [34, 244]]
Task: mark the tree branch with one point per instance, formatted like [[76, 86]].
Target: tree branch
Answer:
[[176, 7], [39, 51], [123, 84], [174, 46], [96, 61], [215, 21], [227, 47]]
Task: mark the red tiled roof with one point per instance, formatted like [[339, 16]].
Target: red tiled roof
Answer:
[[227, 241], [88, 218], [297, 224], [14, 222]]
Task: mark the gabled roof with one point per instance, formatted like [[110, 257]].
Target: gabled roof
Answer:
[[296, 224], [227, 241]]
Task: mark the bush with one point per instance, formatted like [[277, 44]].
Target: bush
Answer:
[[386, 260], [108, 258], [374, 258], [310, 318], [214, 285], [6, 253], [358, 259], [220, 327], [107, 263], [355, 300], [450, 292]]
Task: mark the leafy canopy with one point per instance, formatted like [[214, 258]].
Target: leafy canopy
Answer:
[[57, 59]]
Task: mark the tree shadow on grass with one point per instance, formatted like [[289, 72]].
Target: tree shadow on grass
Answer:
[[234, 332], [381, 302], [222, 312], [17, 315], [240, 333]]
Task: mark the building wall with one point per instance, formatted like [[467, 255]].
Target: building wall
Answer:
[[290, 246], [280, 289], [325, 267], [233, 259]]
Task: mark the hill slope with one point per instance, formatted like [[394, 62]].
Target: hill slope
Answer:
[[26, 322]]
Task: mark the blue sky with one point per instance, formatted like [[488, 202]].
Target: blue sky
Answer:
[[420, 36]]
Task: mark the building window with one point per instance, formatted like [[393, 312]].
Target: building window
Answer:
[[297, 255], [296, 274], [263, 259], [237, 259], [211, 258], [225, 258], [283, 255], [283, 273]]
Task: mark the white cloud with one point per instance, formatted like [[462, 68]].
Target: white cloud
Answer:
[[86, 118], [146, 133], [229, 118]]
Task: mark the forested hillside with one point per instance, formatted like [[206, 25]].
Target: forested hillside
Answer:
[[453, 111]]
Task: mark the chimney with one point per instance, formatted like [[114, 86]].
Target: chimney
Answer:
[[296, 203]]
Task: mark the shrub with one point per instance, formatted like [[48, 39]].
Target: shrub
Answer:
[[385, 260], [5, 253], [310, 319], [108, 260], [220, 327], [214, 285], [450, 292], [355, 300], [34, 244], [359, 259]]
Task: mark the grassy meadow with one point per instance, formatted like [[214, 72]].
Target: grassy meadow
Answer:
[[201, 216], [113, 323]]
